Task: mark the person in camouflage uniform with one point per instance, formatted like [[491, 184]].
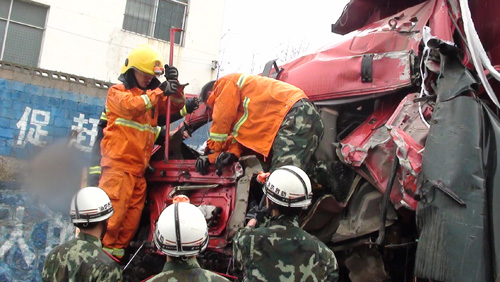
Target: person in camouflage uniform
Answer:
[[280, 250], [298, 137], [261, 116], [82, 258], [186, 270], [181, 234]]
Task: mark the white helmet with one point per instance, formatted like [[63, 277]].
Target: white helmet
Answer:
[[289, 186], [181, 230], [90, 204]]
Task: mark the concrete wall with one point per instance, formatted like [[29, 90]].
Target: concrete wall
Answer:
[[86, 39]]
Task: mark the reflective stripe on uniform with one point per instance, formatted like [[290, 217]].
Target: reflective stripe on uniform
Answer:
[[218, 137], [241, 80], [135, 125], [157, 134], [103, 116], [243, 118], [183, 111], [95, 169], [119, 253], [147, 101]]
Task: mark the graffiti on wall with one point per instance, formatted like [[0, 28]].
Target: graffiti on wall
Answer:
[[28, 231], [33, 129], [32, 117], [42, 125]]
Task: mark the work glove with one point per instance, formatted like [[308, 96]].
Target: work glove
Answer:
[[169, 87], [222, 160], [192, 104], [256, 212], [171, 72], [202, 165]]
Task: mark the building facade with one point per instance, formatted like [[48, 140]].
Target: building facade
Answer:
[[92, 38]]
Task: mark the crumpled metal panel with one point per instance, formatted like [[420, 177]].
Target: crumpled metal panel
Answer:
[[359, 13], [369, 148], [167, 176], [459, 164], [334, 72]]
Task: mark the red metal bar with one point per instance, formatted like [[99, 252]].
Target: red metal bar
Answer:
[[167, 118]]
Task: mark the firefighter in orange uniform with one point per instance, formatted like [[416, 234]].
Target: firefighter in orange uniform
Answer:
[[132, 109], [267, 116]]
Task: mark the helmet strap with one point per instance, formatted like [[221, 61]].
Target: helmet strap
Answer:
[[77, 213], [104, 228], [177, 228], [128, 79]]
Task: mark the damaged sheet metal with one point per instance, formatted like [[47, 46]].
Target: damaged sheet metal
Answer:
[[357, 67], [459, 182], [369, 148]]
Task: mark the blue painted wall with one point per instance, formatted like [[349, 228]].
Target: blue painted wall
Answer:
[[35, 122], [33, 116], [28, 231]]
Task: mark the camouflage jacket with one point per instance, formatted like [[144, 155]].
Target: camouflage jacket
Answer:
[[281, 251], [188, 270], [80, 259]]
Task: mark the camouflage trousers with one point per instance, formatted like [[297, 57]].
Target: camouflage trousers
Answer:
[[298, 137]]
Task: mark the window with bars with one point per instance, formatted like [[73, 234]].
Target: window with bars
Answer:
[[154, 18], [21, 31]]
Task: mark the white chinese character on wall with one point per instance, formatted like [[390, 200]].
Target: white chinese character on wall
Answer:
[[84, 132], [31, 127]]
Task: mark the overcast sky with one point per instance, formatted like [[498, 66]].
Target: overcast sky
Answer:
[[257, 31]]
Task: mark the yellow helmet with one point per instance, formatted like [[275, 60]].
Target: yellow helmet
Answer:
[[146, 59]]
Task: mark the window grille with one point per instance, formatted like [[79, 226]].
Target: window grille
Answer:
[[21, 30], [154, 18]]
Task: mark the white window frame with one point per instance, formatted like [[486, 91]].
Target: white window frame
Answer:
[[7, 24], [152, 22]]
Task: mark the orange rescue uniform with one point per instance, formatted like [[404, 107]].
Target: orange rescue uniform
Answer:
[[126, 148], [248, 111]]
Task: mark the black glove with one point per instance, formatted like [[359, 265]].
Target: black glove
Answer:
[[202, 165], [256, 212], [169, 87], [192, 104], [171, 72], [222, 160]]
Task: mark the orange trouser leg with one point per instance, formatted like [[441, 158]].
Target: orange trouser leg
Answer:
[[120, 186], [132, 218]]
